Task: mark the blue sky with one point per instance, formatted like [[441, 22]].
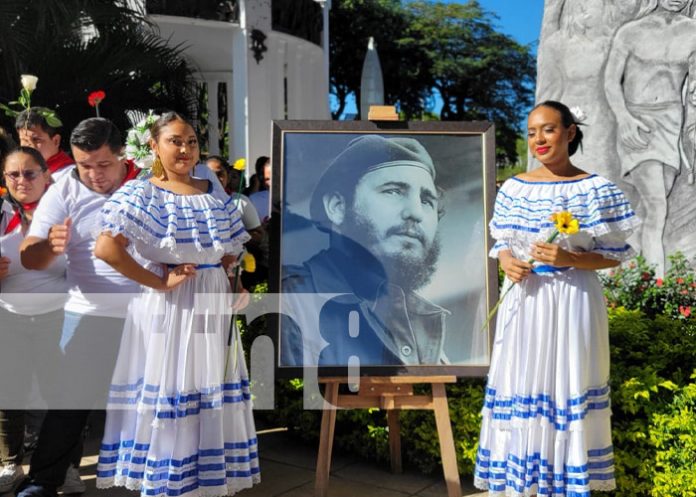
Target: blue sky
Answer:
[[521, 19]]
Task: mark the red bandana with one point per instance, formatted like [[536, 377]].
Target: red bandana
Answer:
[[131, 172], [16, 218], [59, 161]]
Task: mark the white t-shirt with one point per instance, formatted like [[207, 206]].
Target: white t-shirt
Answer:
[[62, 172], [95, 288], [23, 291]]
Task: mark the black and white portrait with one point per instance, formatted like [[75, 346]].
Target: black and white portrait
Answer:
[[382, 249]]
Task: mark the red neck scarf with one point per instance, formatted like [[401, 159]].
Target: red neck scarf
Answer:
[[16, 218], [131, 172], [59, 161]]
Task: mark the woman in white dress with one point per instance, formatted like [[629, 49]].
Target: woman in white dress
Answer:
[[31, 309], [546, 415], [180, 417]]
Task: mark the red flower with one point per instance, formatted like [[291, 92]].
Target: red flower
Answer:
[[685, 310], [96, 97], [680, 281], [659, 282], [645, 276]]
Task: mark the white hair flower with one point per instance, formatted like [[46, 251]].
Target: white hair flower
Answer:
[[578, 114], [138, 143], [29, 82]]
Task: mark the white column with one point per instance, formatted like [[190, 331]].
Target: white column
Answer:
[[237, 98], [213, 117], [279, 60], [325, 45]]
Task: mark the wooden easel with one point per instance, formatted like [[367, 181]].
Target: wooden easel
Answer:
[[390, 393]]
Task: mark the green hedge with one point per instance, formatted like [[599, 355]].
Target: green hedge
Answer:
[[653, 381]]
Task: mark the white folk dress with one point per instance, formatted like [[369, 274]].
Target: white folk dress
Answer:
[[546, 415], [177, 425]]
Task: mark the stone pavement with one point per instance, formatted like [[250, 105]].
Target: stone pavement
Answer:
[[287, 470]]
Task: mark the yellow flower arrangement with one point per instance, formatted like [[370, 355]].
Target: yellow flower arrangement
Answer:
[[564, 223]]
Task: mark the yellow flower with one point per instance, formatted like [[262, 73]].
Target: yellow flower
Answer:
[[248, 263], [565, 222], [239, 164]]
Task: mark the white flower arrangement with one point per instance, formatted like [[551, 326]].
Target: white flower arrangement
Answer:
[[138, 143], [578, 114]]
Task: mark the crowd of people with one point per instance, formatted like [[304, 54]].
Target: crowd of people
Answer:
[[102, 267], [132, 297]]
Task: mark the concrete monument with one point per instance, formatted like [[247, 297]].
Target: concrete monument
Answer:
[[631, 66]]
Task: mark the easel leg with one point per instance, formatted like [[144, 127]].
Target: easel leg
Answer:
[[328, 423], [444, 432], [394, 440]]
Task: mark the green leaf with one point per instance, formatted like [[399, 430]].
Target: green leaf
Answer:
[[53, 121]]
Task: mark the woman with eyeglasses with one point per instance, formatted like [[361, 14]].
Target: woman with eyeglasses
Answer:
[[31, 307], [179, 417]]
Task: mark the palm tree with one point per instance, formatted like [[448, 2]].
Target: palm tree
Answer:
[[78, 46]]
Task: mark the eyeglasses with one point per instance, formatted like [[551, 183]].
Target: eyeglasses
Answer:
[[178, 142], [29, 175]]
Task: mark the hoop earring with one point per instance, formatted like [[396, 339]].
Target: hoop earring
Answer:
[[157, 167]]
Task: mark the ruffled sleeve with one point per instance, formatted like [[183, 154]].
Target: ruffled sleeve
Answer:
[[183, 224], [503, 238], [611, 220]]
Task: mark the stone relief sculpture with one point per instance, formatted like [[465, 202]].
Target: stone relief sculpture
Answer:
[[627, 65], [645, 75]]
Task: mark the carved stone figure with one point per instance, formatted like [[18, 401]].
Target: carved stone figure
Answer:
[[648, 63], [627, 63]]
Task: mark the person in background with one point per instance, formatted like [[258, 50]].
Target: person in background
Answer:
[[262, 168], [262, 197], [31, 308], [33, 131]]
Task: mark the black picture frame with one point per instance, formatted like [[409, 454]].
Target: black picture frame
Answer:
[[465, 281]]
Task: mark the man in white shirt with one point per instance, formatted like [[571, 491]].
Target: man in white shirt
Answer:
[[67, 222]]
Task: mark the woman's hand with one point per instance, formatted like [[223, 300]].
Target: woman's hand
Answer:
[[4, 267], [551, 254], [176, 276], [515, 269]]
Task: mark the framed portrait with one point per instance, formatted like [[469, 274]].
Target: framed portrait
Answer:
[[379, 247]]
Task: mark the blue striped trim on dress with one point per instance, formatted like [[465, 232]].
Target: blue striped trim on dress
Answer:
[[560, 182], [173, 222], [523, 474], [180, 405], [141, 224], [198, 266], [547, 225], [543, 405], [593, 190]]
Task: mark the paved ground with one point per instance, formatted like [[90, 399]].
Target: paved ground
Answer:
[[287, 470]]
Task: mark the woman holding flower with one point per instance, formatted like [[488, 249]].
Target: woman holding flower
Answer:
[[546, 416]]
